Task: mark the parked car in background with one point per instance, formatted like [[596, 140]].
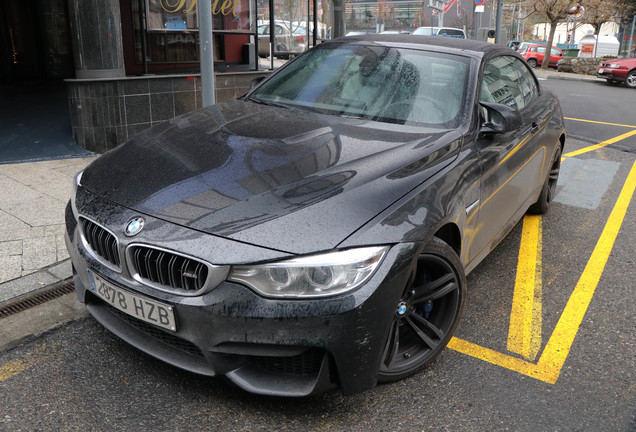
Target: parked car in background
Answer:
[[285, 41], [316, 233], [618, 71], [440, 31], [534, 55]]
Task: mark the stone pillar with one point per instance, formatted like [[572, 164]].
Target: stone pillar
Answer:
[[97, 42]]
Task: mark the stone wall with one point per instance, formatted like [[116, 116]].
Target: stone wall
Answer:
[[108, 112], [579, 65]]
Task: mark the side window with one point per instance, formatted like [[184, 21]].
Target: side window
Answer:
[[541, 50], [508, 81], [554, 51]]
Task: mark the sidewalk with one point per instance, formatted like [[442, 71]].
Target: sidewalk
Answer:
[[553, 74], [33, 255]]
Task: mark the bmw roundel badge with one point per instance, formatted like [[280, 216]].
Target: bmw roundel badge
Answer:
[[134, 227]]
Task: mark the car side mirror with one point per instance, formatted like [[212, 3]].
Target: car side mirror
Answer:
[[255, 82], [500, 118]]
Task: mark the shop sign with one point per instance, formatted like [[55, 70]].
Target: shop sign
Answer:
[[181, 15]]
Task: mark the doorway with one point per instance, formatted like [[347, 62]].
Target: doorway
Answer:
[[35, 57]]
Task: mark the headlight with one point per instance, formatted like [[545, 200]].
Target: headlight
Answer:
[[312, 276], [613, 65]]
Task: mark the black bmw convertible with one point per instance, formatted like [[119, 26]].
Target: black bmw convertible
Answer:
[[316, 232]]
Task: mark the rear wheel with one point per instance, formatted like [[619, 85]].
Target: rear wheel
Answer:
[[630, 81], [427, 315], [549, 186], [533, 63]]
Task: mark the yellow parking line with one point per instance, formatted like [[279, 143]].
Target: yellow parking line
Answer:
[[558, 347], [549, 366], [600, 145], [524, 334], [598, 122], [13, 368]]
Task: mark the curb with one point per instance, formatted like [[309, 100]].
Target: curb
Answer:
[[38, 312]]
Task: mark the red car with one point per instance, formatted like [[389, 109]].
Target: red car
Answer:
[[618, 71], [534, 55]]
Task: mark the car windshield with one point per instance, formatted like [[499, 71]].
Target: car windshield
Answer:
[[426, 31], [379, 83]]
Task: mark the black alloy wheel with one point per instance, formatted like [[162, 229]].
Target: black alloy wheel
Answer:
[[549, 187], [427, 314]]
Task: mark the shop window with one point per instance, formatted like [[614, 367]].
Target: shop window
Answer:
[[172, 30]]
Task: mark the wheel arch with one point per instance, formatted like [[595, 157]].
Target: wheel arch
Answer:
[[450, 235]]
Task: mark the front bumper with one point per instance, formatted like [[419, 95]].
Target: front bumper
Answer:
[[615, 74], [266, 346]]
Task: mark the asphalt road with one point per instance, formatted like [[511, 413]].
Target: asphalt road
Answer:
[[557, 375]]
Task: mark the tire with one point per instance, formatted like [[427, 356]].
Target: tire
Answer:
[[533, 63], [630, 81], [549, 186], [416, 337], [282, 56]]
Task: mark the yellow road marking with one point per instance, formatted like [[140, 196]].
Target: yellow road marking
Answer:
[[524, 334], [600, 145], [598, 122], [549, 366], [13, 368]]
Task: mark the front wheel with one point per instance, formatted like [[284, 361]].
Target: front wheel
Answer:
[[426, 315], [630, 81], [533, 63]]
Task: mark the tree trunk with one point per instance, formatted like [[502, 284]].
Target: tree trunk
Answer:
[[548, 48]]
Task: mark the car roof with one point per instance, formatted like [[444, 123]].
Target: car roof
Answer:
[[476, 47]]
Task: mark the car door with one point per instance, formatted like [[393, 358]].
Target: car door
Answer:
[[512, 161], [555, 56]]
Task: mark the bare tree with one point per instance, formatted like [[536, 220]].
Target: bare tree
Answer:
[[555, 11], [598, 12]]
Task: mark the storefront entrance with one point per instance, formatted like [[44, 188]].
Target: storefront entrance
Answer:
[[35, 57]]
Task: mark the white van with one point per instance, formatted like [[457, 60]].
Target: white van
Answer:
[[440, 31]]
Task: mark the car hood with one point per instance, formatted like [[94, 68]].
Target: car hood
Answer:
[[284, 179]]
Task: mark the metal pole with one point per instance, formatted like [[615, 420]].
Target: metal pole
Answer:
[[498, 24], [142, 33], [206, 52], [631, 37], [272, 34]]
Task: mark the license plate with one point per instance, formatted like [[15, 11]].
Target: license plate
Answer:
[[601, 71], [140, 307]]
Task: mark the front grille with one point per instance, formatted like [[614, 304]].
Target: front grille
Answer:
[[155, 333], [102, 242], [168, 269], [305, 364]]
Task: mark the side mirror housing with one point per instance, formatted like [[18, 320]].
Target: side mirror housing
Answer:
[[500, 118]]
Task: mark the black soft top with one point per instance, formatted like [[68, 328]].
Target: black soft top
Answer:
[[482, 48]]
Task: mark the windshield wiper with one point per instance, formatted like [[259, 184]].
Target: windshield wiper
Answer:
[[269, 103]]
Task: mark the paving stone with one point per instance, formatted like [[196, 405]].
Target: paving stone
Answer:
[[62, 271], [10, 267], [38, 253], [39, 211], [25, 284], [13, 247]]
